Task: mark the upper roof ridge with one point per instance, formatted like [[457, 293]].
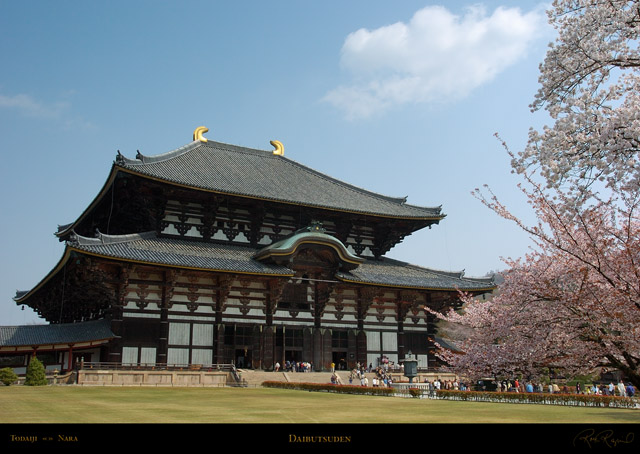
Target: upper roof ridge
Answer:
[[103, 238], [142, 160]]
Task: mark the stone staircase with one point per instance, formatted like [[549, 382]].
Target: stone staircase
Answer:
[[256, 377]]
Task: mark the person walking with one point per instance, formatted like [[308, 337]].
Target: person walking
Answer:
[[630, 390]]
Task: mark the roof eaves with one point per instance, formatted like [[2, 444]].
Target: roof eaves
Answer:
[[143, 159], [64, 230]]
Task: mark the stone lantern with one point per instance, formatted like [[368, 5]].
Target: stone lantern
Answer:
[[410, 366]]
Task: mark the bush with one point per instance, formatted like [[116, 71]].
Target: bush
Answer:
[[415, 392], [35, 374], [8, 376], [586, 400]]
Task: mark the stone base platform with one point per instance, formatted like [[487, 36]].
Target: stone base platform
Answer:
[[153, 378]]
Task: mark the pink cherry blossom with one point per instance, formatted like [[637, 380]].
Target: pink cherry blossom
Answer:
[[590, 86], [572, 305]]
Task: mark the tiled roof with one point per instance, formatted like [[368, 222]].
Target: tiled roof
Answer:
[[148, 248], [394, 273], [66, 333], [446, 344], [260, 174]]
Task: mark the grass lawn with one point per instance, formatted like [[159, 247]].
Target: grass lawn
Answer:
[[52, 418], [71, 405]]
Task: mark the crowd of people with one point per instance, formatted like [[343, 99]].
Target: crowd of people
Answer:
[[294, 366], [449, 385], [382, 378], [358, 376], [553, 388], [612, 390]]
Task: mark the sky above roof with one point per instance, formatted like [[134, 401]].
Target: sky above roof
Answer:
[[400, 98]]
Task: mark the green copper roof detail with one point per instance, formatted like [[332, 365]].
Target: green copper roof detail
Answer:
[[312, 236]]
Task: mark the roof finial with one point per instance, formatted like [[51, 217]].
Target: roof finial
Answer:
[[279, 147], [197, 134]]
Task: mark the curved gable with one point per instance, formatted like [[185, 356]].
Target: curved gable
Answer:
[[314, 238]]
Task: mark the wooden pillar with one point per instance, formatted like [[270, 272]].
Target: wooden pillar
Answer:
[[222, 292], [167, 293], [327, 348], [361, 346], [219, 350], [256, 348], [70, 359], [365, 299], [401, 311], [404, 302], [319, 361], [268, 345], [352, 349], [308, 345], [431, 334], [115, 346], [273, 294]]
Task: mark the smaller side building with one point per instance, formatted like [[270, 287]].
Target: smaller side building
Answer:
[[58, 346]]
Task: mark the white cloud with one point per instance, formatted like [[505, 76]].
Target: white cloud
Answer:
[[30, 107], [436, 56]]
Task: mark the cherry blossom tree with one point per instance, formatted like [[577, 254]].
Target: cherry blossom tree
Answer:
[[590, 86], [573, 303]]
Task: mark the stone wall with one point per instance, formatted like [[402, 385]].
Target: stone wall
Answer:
[[151, 378]]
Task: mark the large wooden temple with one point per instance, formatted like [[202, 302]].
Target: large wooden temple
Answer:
[[215, 254]]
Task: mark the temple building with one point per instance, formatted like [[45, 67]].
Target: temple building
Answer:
[[218, 254]]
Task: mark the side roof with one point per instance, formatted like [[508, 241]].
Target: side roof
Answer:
[[65, 333], [148, 248], [394, 273]]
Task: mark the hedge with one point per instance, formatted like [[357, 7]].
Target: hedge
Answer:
[[583, 400], [330, 387]]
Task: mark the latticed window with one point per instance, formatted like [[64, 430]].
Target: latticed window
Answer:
[[244, 335], [294, 296], [339, 339], [293, 338], [240, 335], [416, 342]]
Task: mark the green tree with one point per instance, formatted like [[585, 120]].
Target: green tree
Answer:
[[35, 373], [7, 376]]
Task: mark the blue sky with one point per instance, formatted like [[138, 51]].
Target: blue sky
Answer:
[[401, 98]]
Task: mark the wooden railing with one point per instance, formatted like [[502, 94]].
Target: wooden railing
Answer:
[[157, 366]]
